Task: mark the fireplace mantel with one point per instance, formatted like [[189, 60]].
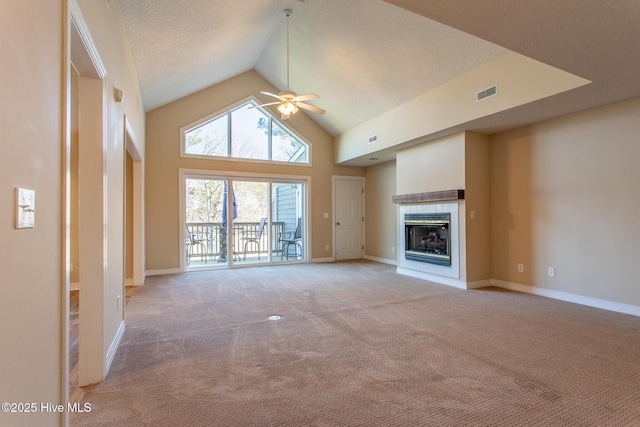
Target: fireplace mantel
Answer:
[[431, 196]]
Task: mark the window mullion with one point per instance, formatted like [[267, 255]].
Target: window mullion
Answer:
[[269, 139], [229, 124]]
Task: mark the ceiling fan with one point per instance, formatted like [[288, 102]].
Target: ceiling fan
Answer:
[[289, 101]]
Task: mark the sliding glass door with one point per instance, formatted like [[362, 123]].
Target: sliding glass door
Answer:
[[287, 213], [239, 221]]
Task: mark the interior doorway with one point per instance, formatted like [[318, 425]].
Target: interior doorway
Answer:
[[133, 210], [349, 217], [85, 209]]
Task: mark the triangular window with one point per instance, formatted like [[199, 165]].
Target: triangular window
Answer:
[[244, 131]]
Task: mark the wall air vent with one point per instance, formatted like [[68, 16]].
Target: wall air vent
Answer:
[[373, 139], [487, 93]]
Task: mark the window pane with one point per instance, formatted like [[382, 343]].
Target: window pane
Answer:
[[246, 132], [287, 148], [203, 214], [288, 238], [209, 139], [248, 140], [251, 227]]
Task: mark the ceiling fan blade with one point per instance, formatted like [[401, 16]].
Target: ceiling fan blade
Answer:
[[273, 94], [306, 97], [310, 108]]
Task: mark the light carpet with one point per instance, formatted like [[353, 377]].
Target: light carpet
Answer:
[[358, 345]]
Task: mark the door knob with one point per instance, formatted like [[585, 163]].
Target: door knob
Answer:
[[337, 223]]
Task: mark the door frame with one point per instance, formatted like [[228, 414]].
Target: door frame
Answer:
[[81, 54], [137, 187], [335, 178]]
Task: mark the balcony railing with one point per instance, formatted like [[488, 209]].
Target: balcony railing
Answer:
[[211, 235]]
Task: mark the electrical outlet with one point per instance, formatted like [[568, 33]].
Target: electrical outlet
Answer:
[[326, 247], [552, 272], [520, 268]]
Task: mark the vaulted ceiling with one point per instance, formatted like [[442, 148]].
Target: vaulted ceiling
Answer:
[[365, 57]]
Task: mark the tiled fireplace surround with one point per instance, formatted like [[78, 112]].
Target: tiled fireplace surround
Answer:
[[432, 202]]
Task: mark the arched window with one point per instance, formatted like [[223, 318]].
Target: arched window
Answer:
[[244, 131]]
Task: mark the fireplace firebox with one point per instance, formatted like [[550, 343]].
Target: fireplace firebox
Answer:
[[427, 238]]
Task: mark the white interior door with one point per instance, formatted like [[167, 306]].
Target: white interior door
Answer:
[[349, 218]]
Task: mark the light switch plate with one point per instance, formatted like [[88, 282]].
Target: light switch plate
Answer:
[[25, 208]]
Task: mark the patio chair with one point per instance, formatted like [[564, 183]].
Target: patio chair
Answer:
[[253, 237], [194, 241], [287, 239]]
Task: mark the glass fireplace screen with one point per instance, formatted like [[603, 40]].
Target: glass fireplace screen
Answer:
[[427, 238]]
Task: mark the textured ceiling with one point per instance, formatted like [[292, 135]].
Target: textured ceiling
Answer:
[[364, 57], [596, 40]]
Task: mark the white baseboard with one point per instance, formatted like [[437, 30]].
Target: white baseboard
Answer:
[[480, 284], [75, 286], [113, 348], [128, 281], [325, 259], [381, 260], [432, 278], [548, 293], [565, 296], [162, 272]]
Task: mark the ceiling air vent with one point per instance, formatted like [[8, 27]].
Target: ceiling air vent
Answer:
[[373, 139], [487, 93]]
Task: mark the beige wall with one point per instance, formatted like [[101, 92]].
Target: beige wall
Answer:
[[31, 284], [478, 206], [163, 162], [381, 214], [107, 31], [520, 80], [433, 166], [564, 195]]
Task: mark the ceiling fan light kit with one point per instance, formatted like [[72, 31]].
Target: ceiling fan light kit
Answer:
[[289, 101]]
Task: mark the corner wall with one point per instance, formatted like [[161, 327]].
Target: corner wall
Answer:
[[381, 214], [564, 195], [478, 206]]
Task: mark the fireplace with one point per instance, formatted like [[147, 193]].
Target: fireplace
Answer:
[[428, 238], [434, 216]]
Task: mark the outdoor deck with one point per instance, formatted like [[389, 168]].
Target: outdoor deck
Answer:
[[207, 246]]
